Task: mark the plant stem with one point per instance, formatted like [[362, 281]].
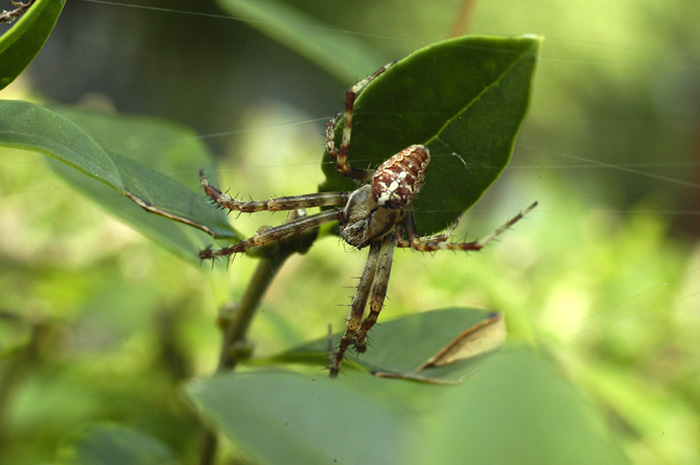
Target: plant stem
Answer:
[[238, 323], [235, 335]]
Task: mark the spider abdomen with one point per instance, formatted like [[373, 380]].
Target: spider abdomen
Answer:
[[398, 180]]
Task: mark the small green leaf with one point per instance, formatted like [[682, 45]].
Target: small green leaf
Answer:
[[338, 54], [22, 42], [465, 99], [113, 445], [29, 126], [408, 346]]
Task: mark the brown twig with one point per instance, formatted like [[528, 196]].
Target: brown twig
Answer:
[[463, 18]]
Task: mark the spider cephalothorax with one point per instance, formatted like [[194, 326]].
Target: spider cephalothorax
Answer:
[[374, 209], [378, 215]]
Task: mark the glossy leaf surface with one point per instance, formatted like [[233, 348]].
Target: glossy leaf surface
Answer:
[[465, 99]]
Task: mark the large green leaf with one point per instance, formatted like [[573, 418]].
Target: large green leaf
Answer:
[[339, 54], [106, 444], [127, 154], [29, 126], [159, 162], [182, 241], [148, 148], [515, 409], [465, 99], [285, 418], [22, 42]]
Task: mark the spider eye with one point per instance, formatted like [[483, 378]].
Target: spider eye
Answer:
[[398, 180]]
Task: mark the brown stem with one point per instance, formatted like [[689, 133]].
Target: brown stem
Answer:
[[463, 18]]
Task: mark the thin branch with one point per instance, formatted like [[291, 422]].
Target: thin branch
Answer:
[[234, 347], [463, 18]]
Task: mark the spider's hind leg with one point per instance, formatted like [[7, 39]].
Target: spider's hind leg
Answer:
[[381, 282], [357, 308]]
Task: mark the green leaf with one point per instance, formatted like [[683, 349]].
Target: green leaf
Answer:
[[29, 126], [22, 42], [168, 147], [145, 148], [405, 347], [113, 445], [148, 143], [338, 54], [284, 418], [515, 409], [465, 99]]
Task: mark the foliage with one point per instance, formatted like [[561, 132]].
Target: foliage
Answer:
[[125, 324], [410, 423]]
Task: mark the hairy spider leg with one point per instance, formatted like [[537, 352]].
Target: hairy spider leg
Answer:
[[381, 282], [341, 155], [409, 227], [357, 308], [275, 234], [319, 199], [434, 243]]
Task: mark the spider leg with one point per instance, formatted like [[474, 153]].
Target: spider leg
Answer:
[[410, 228], [320, 199], [433, 243], [275, 234], [341, 155], [381, 282], [357, 309]]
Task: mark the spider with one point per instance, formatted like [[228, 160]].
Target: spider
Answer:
[[378, 215]]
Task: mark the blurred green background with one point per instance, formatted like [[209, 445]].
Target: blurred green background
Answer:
[[98, 322]]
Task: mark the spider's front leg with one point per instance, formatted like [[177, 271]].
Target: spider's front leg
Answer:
[[318, 199], [274, 234], [277, 233], [340, 155]]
